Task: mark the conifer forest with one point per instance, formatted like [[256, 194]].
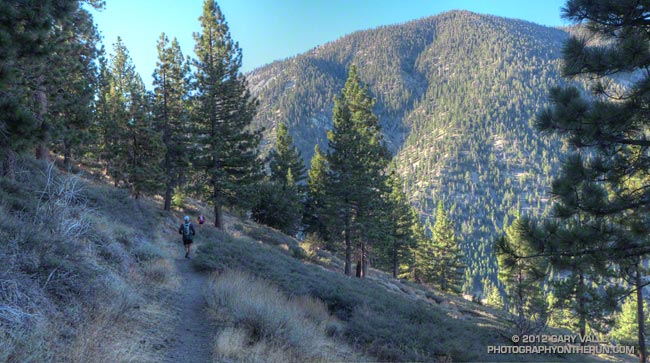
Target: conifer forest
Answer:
[[492, 159]]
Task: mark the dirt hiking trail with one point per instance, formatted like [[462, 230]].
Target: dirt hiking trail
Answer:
[[193, 332]]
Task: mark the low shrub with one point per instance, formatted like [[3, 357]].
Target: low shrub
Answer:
[[158, 270], [234, 343], [146, 251], [269, 317]]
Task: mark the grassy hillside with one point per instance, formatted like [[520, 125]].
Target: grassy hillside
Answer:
[[382, 318], [91, 275], [78, 260]]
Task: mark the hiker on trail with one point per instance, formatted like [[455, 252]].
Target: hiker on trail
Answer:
[[201, 220], [188, 232]]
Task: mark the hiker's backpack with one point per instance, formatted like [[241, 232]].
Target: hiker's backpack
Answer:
[[187, 232], [201, 219]]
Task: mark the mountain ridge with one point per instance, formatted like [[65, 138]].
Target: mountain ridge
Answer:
[[456, 95]]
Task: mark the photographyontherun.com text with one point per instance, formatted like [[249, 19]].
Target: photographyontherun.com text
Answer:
[[569, 344]]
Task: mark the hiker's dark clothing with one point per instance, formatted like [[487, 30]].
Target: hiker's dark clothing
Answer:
[[188, 232]]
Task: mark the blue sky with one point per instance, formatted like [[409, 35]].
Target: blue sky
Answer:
[[268, 30]]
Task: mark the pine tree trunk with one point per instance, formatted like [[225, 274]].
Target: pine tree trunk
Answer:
[[581, 310], [348, 247], [360, 264], [442, 277], [520, 296], [168, 197], [169, 182], [364, 260], [218, 213], [395, 264], [640, 315], [218, 216], [42, 152], [67, 156], [166, 140]]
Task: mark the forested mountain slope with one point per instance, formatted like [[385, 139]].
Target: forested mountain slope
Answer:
[[456, 97]]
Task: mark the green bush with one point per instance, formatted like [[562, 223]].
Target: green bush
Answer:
[[178, 198], [278, 206]]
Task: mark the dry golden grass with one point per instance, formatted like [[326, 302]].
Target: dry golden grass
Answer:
[[158, 270], [268, 326], [235, 344], [81, 263]]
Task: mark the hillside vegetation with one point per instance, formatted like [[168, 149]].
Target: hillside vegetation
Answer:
[[78, 262], [444, 111], [89, 276], [384, 318]]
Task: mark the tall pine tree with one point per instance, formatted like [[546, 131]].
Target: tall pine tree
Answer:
[[448, 264], [134, 147], [522, 278], [171, 92], [593, 195], [227, 153], [284, 157], [625, 330], [357, 160], [29, 30], [395, 250], [280, 198], [70, 83], [315, 215], [582, 282]]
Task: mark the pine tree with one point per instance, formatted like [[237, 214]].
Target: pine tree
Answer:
[[285, 157], [448, 264], [583, 285], [522, 278], [594, 196], [28, 32], [394, 250], [357, 159], [625, 330], [278, 205], [280, 199], [421, 252], [143, 146], [171, 90], [227, 152], [134, 145], [104, 127], [425, 256], [315, 215], [70, 83], [559, 317], [492, 295]]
